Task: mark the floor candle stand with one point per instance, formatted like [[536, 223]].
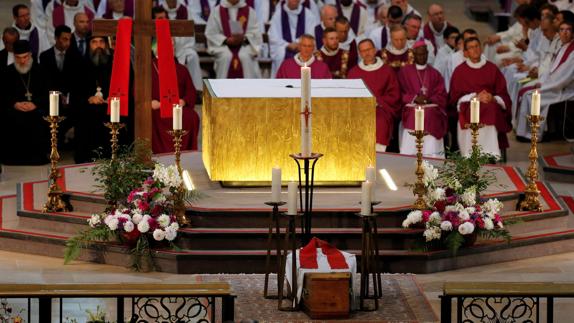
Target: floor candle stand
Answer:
[[370, 261], [55, 202], [531, 201], [306, 169], [290, 244], [273, 223], [179, 202]]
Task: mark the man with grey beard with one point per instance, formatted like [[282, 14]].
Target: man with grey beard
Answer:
[[24, 104], [90, 101]]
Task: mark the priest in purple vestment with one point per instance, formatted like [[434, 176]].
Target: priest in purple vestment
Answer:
[[382, 82], [423, 86], [335, 57], [328, 16], [291, 67], [481, 79]]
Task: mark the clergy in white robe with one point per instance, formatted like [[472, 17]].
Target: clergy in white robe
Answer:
[[234, 38], [406, 8], [481, 79], [115, 9], [200, 10], [449, 38], [289, 22], [63, 14], [377, 14], [28, 31], [413, 25], [184, 47], [328, 16], [555, 86], [457, 58], [38, 12], [356, 12], [502, 44]]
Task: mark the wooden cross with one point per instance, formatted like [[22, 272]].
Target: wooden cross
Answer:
[[143, 30]]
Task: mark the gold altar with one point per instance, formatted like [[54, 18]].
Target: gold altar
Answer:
[[244, 136]]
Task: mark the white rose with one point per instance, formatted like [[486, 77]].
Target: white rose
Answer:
[[469, 197], [488, 224], [406, 223], [94, 220], [137, 217], [170, 233], [438, 194], [158, 234], [470, 209], [415, 216], [163, 220], [129, 226], [491, 207], [463, 215], [466, 228], [143, 226], [446, 226], [174, 226], [432, 233], [435, 217], [113, 224]]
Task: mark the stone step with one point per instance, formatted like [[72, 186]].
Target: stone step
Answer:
[[559, 168]]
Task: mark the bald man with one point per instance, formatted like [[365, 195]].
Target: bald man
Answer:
[[328, 17], [436, 25]]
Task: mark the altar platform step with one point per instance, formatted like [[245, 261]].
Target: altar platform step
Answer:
[[559, 167]]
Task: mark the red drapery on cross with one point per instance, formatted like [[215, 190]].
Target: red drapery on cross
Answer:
[[120, 82], [168, 89]]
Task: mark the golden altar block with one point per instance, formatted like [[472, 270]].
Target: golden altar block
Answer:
[[251, 126]]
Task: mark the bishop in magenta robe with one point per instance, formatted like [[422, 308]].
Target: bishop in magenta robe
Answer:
[[162, 141], [481, 79], [291, 68], [422, 85], [382, 82]]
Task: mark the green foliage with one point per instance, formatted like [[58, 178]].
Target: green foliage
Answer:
[[118, 178], [82, 241], [140, 253], [468, 171], [454, 241]]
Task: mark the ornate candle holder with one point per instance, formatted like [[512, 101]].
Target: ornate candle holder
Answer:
[[55, 202], [306, 188], [114, 131], [419, 189], [179, 205], [531, 201], [474, 127]]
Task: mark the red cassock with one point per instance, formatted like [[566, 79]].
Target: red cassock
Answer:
[[466, 80], [339, 64], [162, 142], [384, 86], [412, 82], [289, 69]]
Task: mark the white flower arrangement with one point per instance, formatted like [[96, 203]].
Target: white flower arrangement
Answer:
[[169, 175]]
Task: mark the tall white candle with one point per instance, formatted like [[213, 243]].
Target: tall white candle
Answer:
[[366, 198], [292, 198], [419, 119], [474, 111], [371, 176], [276, 184], [306, 134], [535, 108], [177, 117], [115, 110], [54, 103]]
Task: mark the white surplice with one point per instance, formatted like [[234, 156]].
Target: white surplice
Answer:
[[247, 54], [278, 45]]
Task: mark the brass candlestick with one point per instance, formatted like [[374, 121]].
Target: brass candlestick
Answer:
[[419, 189], [55, 202], [179, 205], [531, 201], [114, 131], [474, 127]]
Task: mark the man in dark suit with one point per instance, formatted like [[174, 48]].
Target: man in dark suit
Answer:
[[9, 36], [61, 64], [81, 33]]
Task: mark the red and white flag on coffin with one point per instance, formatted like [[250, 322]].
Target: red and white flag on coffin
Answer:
[[308, 255]]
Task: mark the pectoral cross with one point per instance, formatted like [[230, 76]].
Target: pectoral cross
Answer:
[[143, 30], [28, 96]]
